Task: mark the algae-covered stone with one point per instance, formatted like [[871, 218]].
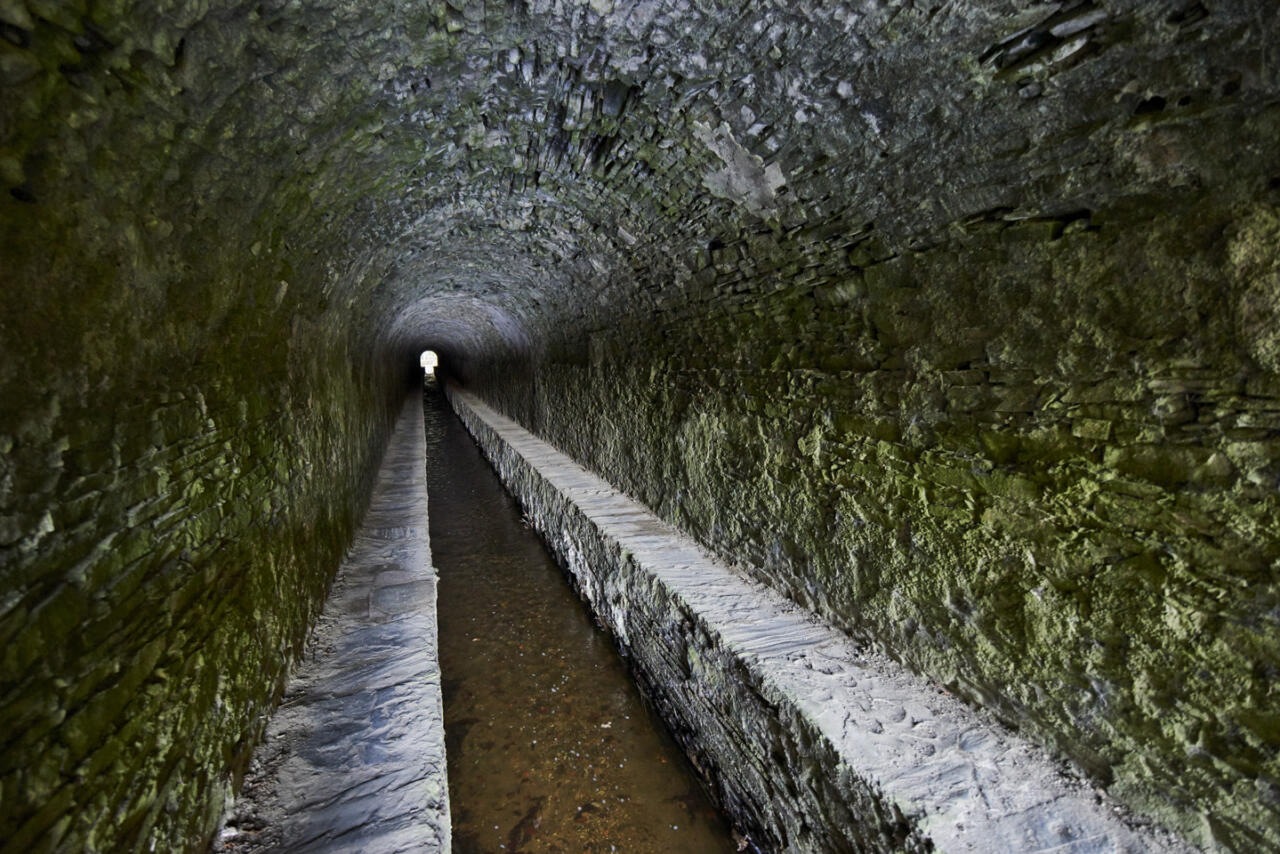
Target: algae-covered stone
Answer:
[[894, 303], [1256, 273]]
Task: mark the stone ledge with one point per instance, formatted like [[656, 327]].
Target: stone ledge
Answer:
[[354, 759], [812, 743]]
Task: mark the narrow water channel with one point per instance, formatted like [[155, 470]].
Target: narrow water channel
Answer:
[[550, 748]]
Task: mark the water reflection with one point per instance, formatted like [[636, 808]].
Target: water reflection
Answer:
[[550, 747]]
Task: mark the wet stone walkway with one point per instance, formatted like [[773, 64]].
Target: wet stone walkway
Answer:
[[354, 760]]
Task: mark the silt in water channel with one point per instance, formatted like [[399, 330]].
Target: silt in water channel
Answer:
[[550, 747]]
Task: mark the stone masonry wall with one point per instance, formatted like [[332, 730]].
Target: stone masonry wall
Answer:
[[952, 320], [168, 525], [191, 407], [1037, 462], [185, 447]]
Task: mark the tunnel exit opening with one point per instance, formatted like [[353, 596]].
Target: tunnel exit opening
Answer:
[[429, 361]]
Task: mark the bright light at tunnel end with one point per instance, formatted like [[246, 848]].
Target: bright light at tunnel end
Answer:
[[429, 361]]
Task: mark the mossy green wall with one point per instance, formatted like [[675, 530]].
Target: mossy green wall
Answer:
[[1038, 462], [956, 323], [187, 431], [174, 495], [195, 387]]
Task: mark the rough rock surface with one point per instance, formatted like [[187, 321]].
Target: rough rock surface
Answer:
[[818, 745], [951, 321], [354, 759]]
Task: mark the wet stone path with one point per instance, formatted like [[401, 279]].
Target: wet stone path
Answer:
[[550, 747], [353, 761]]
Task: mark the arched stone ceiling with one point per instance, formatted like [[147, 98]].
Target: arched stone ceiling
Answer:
[[569, 160], [1005, 241]]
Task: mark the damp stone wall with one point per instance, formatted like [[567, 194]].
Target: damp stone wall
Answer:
[[954, 322], [1037, 462], [813, 743], [173, 502], [190, 414]]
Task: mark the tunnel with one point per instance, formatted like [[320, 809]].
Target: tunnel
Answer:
[[949, 327]]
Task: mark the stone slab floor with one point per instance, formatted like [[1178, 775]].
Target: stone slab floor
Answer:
[[354, 759]]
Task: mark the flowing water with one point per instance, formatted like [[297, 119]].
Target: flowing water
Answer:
[[550, 747]]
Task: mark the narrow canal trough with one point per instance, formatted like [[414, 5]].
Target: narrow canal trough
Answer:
[[550, 746], [812, 743]]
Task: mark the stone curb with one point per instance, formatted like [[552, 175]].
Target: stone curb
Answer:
[[354, 759], [812, 743]]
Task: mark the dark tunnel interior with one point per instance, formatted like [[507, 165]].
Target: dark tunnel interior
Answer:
[[957, 324]]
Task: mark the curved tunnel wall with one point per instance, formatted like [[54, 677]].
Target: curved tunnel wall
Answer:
[[954, 322]]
